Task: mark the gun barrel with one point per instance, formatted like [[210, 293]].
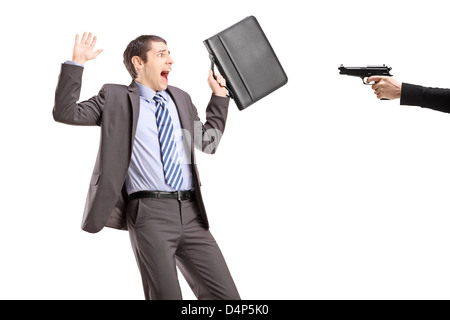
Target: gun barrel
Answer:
[[365, 71]]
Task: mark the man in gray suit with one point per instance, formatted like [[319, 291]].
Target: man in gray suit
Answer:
[[145, 178]]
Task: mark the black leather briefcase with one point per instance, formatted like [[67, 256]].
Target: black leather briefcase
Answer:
[[247, 61]]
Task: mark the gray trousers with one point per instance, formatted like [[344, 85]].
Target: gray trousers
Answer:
[[166, 233]]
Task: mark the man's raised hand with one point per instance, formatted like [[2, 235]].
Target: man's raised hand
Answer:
[[84, 50]]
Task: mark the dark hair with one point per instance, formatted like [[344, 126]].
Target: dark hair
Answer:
[[139, 47]]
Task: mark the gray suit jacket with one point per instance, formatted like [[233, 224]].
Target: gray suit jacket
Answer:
[[116, 110]]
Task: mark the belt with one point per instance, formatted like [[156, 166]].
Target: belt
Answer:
[[179, 195]]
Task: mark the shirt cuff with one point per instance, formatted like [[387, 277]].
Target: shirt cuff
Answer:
[[73, 63]]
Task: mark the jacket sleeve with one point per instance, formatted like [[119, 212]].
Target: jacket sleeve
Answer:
[[67, 109], [207, 136], [433, 98]]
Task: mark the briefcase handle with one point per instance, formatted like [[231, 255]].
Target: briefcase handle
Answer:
[[230, 94]]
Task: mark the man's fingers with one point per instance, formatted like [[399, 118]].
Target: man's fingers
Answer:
[[211, 76], [89, 38], [221, 81], [83, 38], [86, 39], [96, 53], [94, 41], [374, 78], [84, 48]]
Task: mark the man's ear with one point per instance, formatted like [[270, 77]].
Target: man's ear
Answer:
[[137, 62]]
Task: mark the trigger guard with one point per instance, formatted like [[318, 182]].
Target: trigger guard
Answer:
[[367, 83]]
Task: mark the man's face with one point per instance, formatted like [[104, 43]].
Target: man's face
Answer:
[[155, 72]]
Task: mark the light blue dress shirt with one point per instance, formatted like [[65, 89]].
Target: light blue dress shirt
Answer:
[[146, 171]]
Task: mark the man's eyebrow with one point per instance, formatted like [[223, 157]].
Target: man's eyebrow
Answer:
[[164, 50]]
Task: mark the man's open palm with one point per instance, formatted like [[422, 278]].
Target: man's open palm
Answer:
[[84, 50]]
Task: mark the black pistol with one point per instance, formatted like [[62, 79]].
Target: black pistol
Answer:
[[365, 72]]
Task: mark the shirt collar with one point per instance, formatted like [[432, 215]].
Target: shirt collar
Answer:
[[148, 94]]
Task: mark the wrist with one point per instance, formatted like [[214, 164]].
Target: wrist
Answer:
[[398, 91], [221, 93], [79, 60]]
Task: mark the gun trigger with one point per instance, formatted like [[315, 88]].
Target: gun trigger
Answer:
[[367, 83]]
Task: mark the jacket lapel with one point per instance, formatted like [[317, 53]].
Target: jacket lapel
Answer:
[[183, 111], [185, 119]]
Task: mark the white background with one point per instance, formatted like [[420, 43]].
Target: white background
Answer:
[[318, 191]]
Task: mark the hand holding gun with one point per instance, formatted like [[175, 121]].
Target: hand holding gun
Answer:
[[384, 87]]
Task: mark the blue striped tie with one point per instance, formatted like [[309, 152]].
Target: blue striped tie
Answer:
[[169, 153]]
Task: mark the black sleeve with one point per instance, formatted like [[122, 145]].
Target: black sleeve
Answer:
[[433, 98]]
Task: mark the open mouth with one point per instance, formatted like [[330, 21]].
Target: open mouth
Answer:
[[165, 75]]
